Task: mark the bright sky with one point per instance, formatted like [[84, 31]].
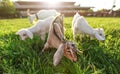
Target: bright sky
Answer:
[[98, 4]]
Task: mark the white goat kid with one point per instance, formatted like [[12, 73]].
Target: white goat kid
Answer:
[[40, 28], [81, 26], [42, 14]]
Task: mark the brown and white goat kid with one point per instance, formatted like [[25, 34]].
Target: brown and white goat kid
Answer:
[[56, 40]]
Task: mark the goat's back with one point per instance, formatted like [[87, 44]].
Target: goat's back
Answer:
[[42, 14], [82, 25]]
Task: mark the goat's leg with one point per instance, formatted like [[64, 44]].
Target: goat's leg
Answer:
[[45, 47], [74, 35], [42, 36], [82, 36], [91, 37]]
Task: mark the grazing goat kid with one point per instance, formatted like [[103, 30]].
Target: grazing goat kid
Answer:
[[81, 26], [40, 28], [42, 14], [56, 40]]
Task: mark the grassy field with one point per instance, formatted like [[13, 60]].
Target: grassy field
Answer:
[[22, 57]]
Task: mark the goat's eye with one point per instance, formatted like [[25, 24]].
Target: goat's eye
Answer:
[[24, 34], [68, 52], [68, 47], [100, 34], [73, 45]]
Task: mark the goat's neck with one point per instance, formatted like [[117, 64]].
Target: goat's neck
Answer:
[[89, 30], [33, 29], [93, 32], [54, 41], [34, 16]]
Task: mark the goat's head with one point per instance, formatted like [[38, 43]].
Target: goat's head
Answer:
[[24, 33], [68, 49], [31, 17], [99, 34], [77, 15]]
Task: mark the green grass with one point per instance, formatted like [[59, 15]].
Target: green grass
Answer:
[[22, 57]]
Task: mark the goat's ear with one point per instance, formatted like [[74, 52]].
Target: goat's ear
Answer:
[[101, 29], [58, 55], [99, 37], [17, 33], [30, 34], [58, 31]]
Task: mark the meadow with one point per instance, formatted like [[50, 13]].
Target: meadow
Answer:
[[22, 57]]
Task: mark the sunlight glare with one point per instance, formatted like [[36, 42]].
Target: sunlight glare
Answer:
[[52, 3]]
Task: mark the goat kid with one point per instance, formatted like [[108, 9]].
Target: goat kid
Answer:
[[42, 14], [56, 40], [81, 26], [40, 28]]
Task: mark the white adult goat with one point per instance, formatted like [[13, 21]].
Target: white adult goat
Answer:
[[56, 40], [42, 14], [40, 28], [81, 26]]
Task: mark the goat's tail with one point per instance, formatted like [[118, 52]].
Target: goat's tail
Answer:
[[28, 12]]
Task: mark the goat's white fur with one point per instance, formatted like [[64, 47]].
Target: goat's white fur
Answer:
[[81, 26], [42, 14], [40, 28]]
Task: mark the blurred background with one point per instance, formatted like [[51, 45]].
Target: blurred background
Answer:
[[102, 8]]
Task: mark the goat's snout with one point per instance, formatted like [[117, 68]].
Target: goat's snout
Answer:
[[23, 38], [74, 60]]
